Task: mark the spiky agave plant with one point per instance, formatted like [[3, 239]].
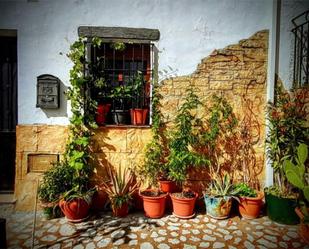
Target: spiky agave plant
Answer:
[[120, 187]]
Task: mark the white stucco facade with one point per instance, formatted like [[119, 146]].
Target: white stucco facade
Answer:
[[190, 31]]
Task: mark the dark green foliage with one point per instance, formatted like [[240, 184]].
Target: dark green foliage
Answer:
[[154, 155], [287, 129], [243, 189], [56, 181], [182, 140]]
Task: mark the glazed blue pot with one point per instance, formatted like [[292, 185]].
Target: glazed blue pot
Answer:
[[218, 207]]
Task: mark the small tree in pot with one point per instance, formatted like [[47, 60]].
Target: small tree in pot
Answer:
[[215, 141], [182, 155], [287, 129], [138, 112]]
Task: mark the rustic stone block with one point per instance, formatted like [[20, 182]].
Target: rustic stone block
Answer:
[[137, 139], [26, 138], [38, 163], [110, 140], [221, 85], [52, 138]]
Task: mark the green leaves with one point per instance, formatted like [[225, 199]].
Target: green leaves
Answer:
[[295, 173]]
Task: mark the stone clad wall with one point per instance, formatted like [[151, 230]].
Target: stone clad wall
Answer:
[[236, 71], [111, 146]]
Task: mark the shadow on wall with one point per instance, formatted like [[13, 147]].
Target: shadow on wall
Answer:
[[62, 110]]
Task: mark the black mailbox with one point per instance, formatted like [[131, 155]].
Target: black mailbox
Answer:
[[48, 88]]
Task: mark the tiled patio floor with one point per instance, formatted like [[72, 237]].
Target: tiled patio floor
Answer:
[[136, 231]]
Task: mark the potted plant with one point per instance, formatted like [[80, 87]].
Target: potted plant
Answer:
[[250, 201], [120, 95], [139, 111], [56, 181], [215, 141], [298, 176], [218, 197], [182, 155], [287, 129], [75, 202], [154, 200], [99, 89], [120, 188]]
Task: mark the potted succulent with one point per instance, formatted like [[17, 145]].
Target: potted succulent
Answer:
[[215, 141], [182, 155], [120, 188], [56, 181], [138, 112], [250, 201], [218, 198], [298, 176], [287, 129]]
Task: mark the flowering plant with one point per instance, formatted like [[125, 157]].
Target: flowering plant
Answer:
[[288, 127]]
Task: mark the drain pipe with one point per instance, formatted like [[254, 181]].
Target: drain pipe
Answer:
[[272, 71]]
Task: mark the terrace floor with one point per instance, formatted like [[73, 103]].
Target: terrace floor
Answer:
[[136, 231]]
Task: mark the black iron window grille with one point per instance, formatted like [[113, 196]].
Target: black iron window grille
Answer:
[[301, 50], [123, 91]]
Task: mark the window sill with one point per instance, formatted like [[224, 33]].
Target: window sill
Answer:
[[125, 126]]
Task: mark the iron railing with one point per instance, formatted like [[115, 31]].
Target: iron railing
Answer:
[[301, 50]]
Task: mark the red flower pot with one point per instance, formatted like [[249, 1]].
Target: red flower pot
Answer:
[[183, 207], [168, 186], [138, 116], [75, 210], [98, 200], [154, 206], [121, 211], [102, 111], [250, 207]]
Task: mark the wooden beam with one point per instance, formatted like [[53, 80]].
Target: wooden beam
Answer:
[[119, 33]]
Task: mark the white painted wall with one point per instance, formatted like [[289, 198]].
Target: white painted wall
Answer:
[[289, 10], [190, 30]]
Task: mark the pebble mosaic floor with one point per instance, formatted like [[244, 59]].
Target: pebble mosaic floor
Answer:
[[137, 231]]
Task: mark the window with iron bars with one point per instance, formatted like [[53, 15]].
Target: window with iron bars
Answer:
[[124, 93], [301, 50]]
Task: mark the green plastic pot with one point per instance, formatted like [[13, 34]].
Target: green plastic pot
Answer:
[[281, 210]]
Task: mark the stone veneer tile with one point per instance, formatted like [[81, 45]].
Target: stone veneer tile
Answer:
[[110, 140], [137, 139], [26, 138], [51, 138]]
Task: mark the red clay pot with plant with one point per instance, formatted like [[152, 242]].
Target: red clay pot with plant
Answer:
[[102, 111], [138, 116], [121, 211], [154, 203], [250, 207], [75, 210], [99, 199], [183, 204], [168, 186]]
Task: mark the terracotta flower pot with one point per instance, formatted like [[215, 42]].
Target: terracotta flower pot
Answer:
[[102, 111], [98, 200], [218, 207], [183, 207], [168, 186], [138, 116], [121, 211], [154, 206], [250, 207], [75, 210], [303, 230]]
